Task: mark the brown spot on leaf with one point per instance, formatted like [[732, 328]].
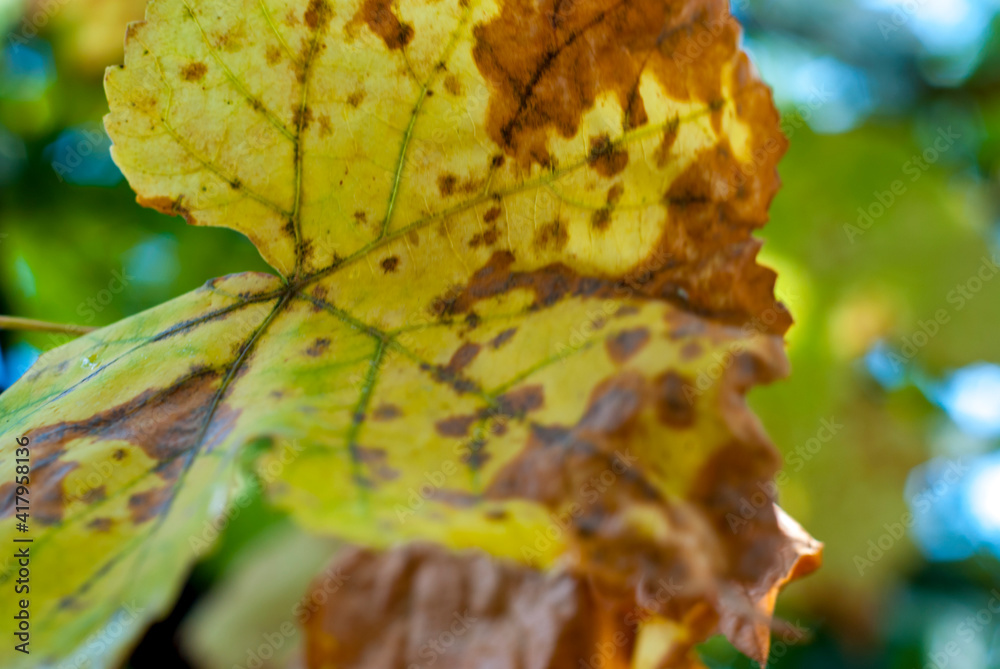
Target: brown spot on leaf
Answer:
[[194, 71], [301, 117], [318, 14], [492, 214], [458, 499], [382, 20], [615, 193], [457, 382], [463, 357], [614, 403], [606, 158], [449, 184], [94, 495], [690, 351], [232, 40], [320, 292], [675, 395], [454, 426], [369, 455], [356, 98], [318, 347], [503, 338], [100, 524], [518, 403], [273, 55], [551, 236], [669, 137], [325, 127], [390, 264], [376, 461], [453, 85], [622, 346], [360, 216], [601, 219], [386, 412], [49, 496], [446, 184], [487, 238], [144, 506]]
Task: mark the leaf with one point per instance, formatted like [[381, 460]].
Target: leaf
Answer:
[[518, 307], [420, 604]]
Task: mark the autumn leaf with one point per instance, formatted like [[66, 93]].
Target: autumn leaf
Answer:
[[419, 605], [517, 308]]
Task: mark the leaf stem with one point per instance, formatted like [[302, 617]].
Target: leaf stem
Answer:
[[30, 324]]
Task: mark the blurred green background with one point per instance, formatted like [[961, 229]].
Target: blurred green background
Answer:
[[885, 236]]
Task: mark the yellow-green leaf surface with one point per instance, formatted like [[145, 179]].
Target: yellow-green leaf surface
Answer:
[[517, 306]]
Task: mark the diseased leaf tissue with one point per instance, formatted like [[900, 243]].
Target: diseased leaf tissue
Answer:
[[517, 309]]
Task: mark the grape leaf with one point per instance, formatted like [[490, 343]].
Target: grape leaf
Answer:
[[517, 307], [419, 604]]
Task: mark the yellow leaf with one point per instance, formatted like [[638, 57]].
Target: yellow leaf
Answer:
[[518, 306]]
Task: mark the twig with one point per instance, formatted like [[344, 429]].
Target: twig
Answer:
[[15, 323]]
